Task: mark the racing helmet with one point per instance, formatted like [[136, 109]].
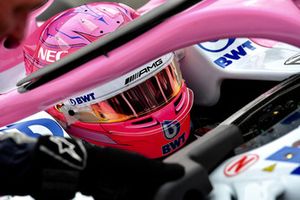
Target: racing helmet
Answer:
[[146, 110]]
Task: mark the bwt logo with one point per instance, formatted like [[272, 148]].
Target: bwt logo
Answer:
[[50, 55], [216, 46], [171, 130], [234, 55], [82, 99], [175, 144]]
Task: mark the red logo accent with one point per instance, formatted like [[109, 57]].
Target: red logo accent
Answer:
[[240, 164]]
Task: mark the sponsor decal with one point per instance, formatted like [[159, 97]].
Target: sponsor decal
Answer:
[[34, 128], [82, 99], [270, 168], [216, 46], [171, 129], [175, 144], [50, 55], [294, 60], [296, 171], [240, 164], [286, 154], [65, 147], [144, 71], [71, 153], [116, 86], [235, 54]]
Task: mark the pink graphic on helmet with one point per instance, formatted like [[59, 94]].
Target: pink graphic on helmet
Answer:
[[83, 25], [73, 29]]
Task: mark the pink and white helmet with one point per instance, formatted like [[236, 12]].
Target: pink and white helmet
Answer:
[[145, 111]]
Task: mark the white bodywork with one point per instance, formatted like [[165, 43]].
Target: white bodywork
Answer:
[[206, 65], [265, 173]]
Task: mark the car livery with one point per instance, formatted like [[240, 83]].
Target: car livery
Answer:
[[265, 173], [206, 65], [229, 51], [36, 125]]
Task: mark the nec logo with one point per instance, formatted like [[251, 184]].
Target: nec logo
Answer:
[[235, 54], [50, 55], [82, 99]]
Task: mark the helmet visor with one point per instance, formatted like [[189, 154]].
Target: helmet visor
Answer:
[[137, 101]]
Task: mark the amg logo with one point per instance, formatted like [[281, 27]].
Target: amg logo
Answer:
[[145, 70]]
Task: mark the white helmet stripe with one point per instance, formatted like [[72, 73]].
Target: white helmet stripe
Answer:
[[121, 84]]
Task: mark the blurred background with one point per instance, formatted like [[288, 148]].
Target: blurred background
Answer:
[[60, 5]]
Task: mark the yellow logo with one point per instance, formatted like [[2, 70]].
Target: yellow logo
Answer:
[[269, 168]]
